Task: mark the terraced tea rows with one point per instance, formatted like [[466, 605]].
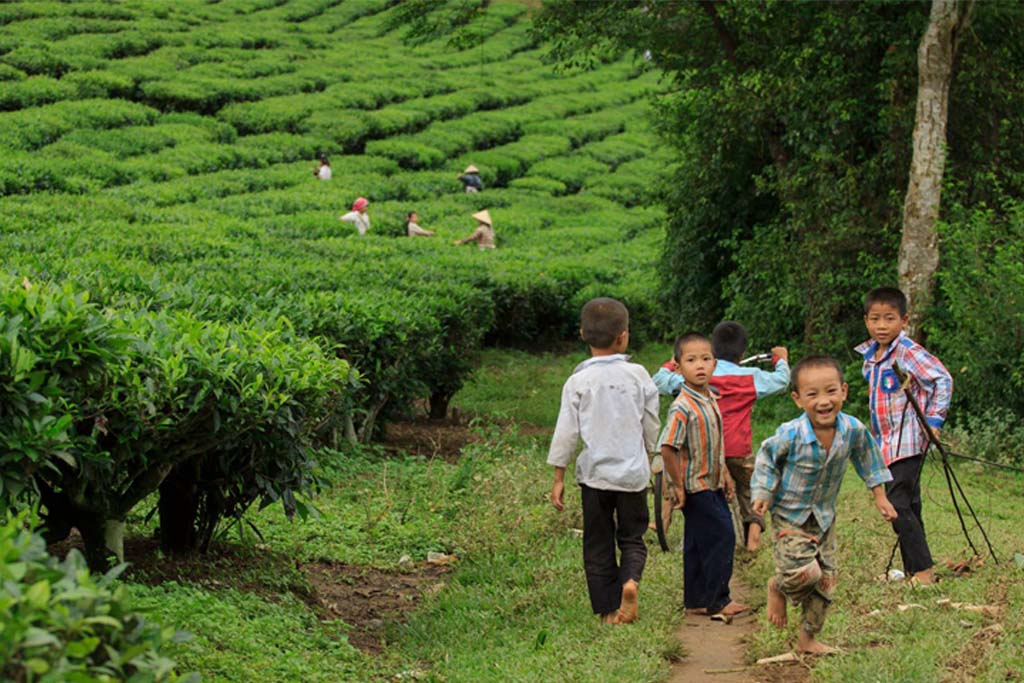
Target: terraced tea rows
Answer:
[[160, 157]]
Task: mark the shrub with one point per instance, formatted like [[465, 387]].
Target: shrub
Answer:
[[58, 622]]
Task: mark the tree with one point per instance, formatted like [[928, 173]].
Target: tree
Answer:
[[919, 246]]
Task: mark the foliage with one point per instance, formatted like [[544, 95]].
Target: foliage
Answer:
[[61, 623], [793, 125]]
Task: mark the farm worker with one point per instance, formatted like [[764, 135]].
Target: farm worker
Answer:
[[323, 171], [414, 230], [484, 233], [471, 179], [358, 216]]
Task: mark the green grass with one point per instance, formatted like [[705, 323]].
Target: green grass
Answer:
[[515, 608]]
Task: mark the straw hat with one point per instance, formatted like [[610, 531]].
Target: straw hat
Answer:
[[471, 169], [360, 204], [484, 217]]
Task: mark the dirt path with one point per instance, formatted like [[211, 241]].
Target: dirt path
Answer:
[[715, 646]]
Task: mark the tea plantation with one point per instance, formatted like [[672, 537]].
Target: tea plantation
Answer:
[[181, 308]]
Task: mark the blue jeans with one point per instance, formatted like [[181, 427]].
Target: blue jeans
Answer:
[[708, 544]]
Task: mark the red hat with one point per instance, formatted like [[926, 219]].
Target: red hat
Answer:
[[360, 204]]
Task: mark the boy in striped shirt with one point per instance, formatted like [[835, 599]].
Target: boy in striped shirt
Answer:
[[694, 454], [797, 474], [902, 439]]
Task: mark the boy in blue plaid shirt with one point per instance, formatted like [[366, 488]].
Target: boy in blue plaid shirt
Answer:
[[797, 474]]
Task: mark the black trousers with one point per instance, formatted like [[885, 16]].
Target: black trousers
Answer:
[[904, 492], [610, 517], [708, 545]]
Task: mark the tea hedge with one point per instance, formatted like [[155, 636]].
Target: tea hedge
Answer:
[[159, 158]]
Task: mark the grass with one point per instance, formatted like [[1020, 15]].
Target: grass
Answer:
[[515, 607]]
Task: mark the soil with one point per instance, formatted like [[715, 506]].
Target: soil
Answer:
[[446, 438], [370, 599], [714, 651]]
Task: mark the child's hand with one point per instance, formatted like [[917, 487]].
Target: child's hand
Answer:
[[558, 495], [678, 496], [780, 352], [730, 487], [760, 507], [886, 508]]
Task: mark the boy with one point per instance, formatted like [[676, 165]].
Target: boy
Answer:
[[694, 456], [612, 406], [737, 387], [902, 438], [797, 474]]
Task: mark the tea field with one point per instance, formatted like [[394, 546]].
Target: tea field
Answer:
[[161, 228]]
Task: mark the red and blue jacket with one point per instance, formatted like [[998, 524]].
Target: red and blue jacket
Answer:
[[736, 388]]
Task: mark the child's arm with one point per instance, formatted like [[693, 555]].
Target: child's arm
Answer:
[[883, 504], [667, 380], [558, 489], [934, 378], [651, 420], [768, 383], [768, 465], [675, 465], [564, 441]]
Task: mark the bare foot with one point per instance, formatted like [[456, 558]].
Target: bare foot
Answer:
[[734, 608], [754, 538], [630, 608], [697, 610], [610, 618], [807, 644], [776, 605], [926, 577]]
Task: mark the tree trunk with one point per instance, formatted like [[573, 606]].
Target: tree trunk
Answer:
[[919, 246], [178, 506], [439, 405]]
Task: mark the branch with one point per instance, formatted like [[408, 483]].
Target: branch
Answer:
[[727, 40]]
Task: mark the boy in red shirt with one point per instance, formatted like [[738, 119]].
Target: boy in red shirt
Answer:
[[737, 387]]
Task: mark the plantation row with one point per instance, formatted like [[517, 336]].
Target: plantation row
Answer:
[[232, 324]]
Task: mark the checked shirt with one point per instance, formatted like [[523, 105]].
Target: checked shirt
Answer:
[[799, 479]]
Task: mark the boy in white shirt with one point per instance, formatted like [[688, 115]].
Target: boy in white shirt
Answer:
[[611, 405]]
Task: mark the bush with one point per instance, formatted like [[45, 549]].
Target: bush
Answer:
[[58, 622]]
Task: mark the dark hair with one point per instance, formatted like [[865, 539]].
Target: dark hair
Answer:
[[729, 341], [323, 160], [408, 216], [813, 362], [686, 338], [886, 295], [602, 320]]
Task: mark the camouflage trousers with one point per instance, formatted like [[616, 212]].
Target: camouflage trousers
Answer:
[[805, 567]]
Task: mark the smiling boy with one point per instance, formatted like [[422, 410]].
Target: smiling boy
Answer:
[[901, 437], [797, 475], [694, 454]]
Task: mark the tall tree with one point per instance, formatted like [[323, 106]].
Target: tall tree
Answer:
[[919, 245]]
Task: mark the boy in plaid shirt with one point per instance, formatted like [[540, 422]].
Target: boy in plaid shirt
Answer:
[[797, 475], [900, 435]]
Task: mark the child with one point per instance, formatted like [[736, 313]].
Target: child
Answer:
[[694, 456], [737, 388], [612, 406], [358, 215], [484, 233], [412, 228], [894, 423], [470, 179], [797, 474]]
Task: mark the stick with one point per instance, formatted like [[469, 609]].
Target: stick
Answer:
[[733, 670]]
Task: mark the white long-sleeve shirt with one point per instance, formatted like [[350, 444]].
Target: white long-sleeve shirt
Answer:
[[611, 405], [360, 220], [413, 230]]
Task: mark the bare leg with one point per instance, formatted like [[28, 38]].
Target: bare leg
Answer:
[[754, 537], [630, 608], [776, 605]]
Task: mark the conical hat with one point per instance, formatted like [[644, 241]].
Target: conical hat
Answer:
[[471, 169], [484, 217]]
